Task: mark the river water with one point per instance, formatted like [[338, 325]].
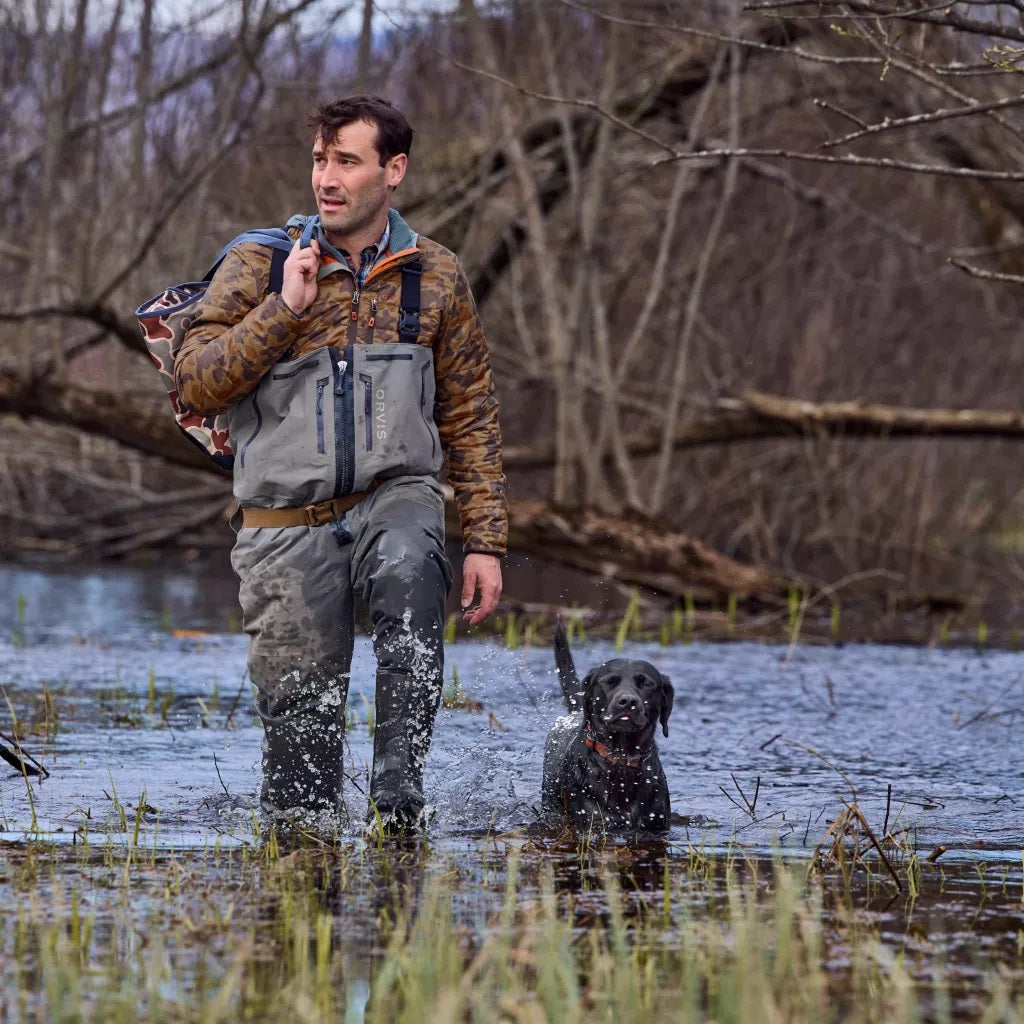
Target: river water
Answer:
[[131, 684]]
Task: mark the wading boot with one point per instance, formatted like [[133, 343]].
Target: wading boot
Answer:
[[303, 758], [406, 708]]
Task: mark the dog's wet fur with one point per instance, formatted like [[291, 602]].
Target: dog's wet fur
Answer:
[[601, 764]]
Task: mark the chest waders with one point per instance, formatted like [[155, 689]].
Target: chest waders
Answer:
[[337, 457]]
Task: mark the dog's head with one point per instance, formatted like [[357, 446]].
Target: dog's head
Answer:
[[627, 698]]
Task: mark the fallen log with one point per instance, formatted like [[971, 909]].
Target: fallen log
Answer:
[[633, 552], [145, 423], [141, 422], [858, 418], [759, 416]]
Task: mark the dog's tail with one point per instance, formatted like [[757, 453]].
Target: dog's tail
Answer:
[[572, 690]]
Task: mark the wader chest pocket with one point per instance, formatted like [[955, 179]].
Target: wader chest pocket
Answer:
[[288, 434], [332, 421], [395, 412]]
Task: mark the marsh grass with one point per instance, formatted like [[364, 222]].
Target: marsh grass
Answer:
[[19, 637], [800, 617], [574, 627], [513, 632], [505, 928], [630, 620], [455, 698]]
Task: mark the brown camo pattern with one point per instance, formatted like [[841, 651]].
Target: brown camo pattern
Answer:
[[163, 334], [239, 332]]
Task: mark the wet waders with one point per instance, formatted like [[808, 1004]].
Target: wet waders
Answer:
[[298, 586]]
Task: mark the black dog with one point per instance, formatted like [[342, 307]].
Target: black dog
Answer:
[[601, 764]]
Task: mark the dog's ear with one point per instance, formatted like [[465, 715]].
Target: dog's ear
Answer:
[[668, 696]]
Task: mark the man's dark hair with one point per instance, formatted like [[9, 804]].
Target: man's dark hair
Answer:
[[394, 135]]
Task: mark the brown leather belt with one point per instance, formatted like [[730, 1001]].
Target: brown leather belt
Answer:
[[307, 515]]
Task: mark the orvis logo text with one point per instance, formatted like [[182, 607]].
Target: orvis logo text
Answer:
[[380, 425]]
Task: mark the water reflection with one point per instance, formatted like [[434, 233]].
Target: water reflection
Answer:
[[87, 600]]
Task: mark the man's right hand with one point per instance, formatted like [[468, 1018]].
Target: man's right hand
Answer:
[[299, 286]]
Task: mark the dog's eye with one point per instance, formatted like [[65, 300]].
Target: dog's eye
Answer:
[[612, 681], [642, 681]]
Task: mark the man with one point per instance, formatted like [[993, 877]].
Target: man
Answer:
[[343, 392]]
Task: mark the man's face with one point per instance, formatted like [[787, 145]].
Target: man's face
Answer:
[[352, 189]]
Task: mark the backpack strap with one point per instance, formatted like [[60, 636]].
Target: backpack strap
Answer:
[[308, 231], [276, 239], [277, 258], [409, 308]]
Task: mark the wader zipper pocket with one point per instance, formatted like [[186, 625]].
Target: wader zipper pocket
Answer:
[[293, 434], [320, 385], [367, 383]]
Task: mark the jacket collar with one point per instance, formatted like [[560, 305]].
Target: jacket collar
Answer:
[[402, 237]]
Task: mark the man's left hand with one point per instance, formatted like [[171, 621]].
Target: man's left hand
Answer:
[[480, 574]]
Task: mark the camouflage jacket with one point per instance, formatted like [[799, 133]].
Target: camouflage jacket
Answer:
[[240, 332]]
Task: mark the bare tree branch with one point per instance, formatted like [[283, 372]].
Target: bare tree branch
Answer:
[[570, 101], [882, 163], [926, 15], [125, 329], [144, 424], [985, 275], [928, 118]]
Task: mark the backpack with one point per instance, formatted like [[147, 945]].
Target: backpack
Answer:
[[166, 317]]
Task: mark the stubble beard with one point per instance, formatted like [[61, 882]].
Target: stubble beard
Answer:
[[354, 217]]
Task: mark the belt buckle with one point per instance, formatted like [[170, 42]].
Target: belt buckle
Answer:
[[313, 516]]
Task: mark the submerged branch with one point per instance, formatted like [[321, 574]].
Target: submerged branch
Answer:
[[20, 759]]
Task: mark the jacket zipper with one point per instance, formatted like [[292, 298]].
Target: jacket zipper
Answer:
[[353, 323], [372, 321]]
